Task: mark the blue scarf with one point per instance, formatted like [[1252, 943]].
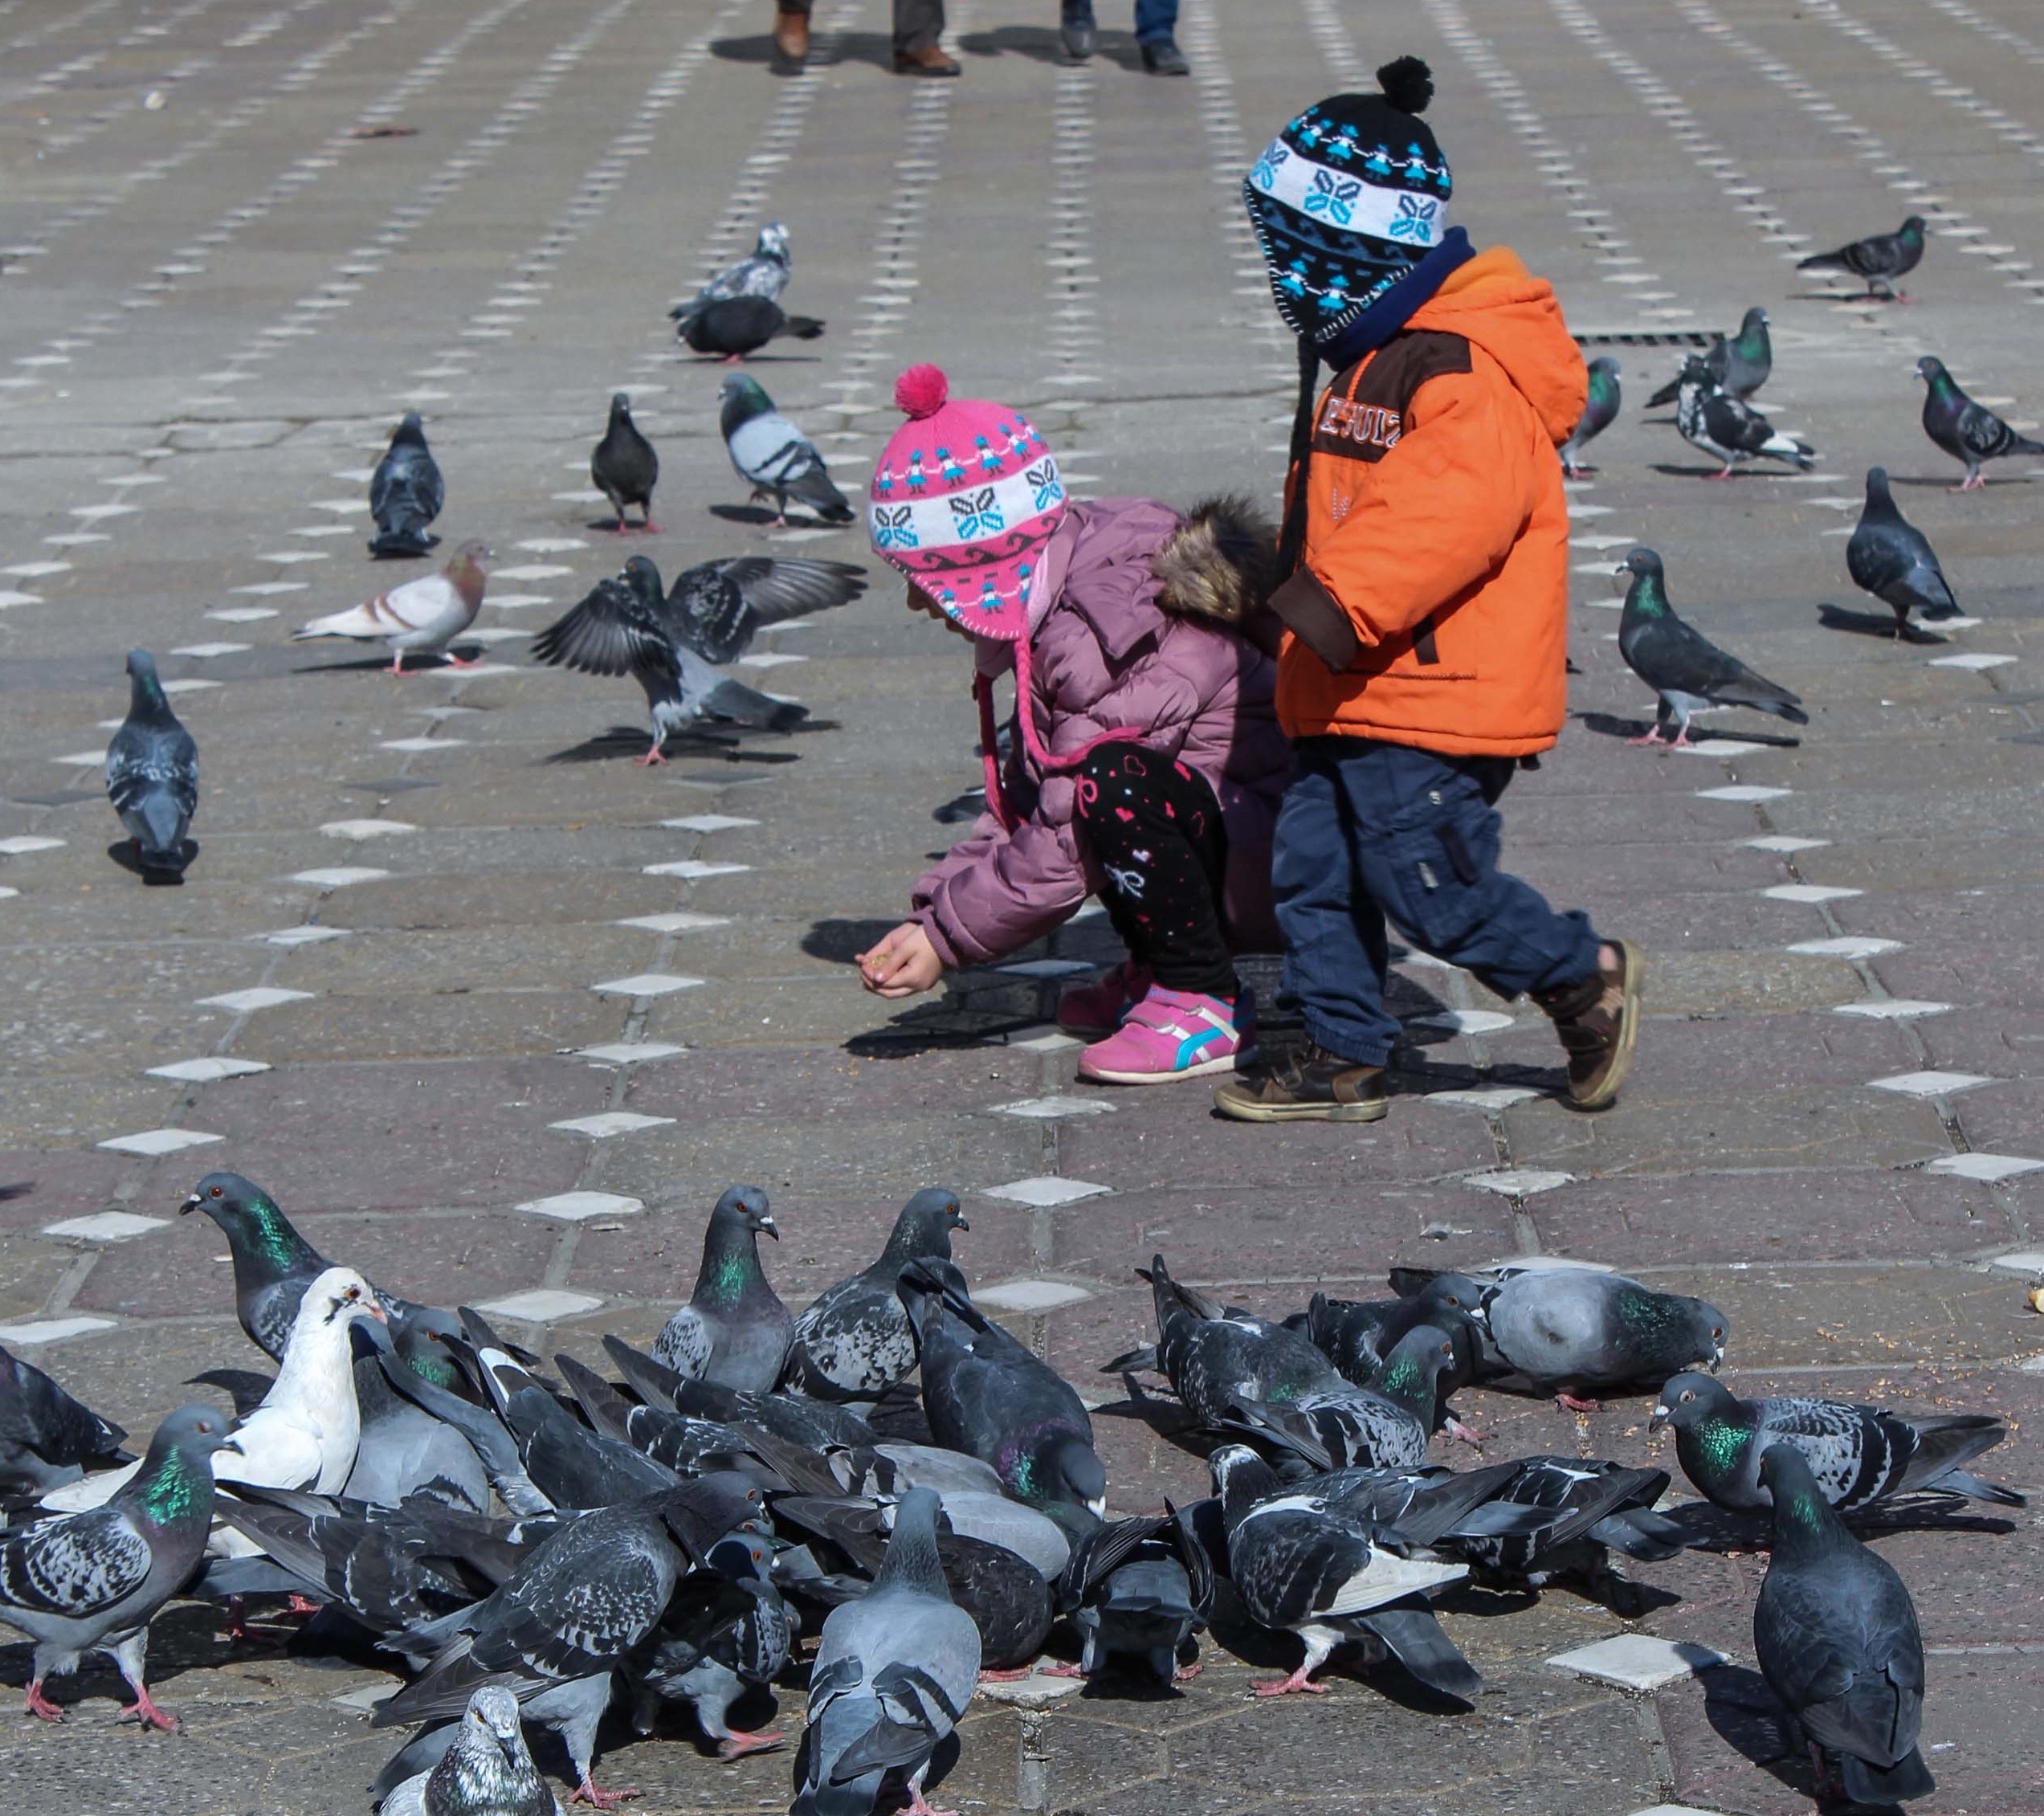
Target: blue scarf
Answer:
[[1400, 303]]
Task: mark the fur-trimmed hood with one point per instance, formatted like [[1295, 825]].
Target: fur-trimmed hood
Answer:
[[1220, 564]]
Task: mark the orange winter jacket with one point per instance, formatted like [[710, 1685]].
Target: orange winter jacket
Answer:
[[1437, 527]]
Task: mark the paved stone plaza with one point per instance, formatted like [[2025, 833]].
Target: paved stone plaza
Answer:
[[236, 239]]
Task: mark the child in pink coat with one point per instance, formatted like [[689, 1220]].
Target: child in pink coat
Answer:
[[1147, 762]]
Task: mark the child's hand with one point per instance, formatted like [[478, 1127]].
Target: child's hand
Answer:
[[904, 964]]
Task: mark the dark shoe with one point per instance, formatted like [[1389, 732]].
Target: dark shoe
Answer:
[[1598, 1022], [1313, 1085], [791, 39], [1162, 56], [1075, 28], [929, 61]]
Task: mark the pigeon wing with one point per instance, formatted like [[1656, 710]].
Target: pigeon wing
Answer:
[[1982, 434], [1731, 424], [609, 632], [73, 1567]]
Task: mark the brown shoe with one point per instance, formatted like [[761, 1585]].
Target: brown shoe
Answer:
[[791, 39], [1598, 1022], [929, 61], [1313, 1085]]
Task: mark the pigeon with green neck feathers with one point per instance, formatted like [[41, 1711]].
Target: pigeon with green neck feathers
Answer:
[[1892, 559], [152, 772], [1738, 364], [1836, 1636], [92, 1582], [1966, 430], [774, 457], [853, 1342], [1858, 1455], [1384, 1424], [1686, 671], [734, 1331], [1600, 411], [1880, 259]]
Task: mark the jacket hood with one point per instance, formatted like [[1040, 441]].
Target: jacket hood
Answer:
[[1494, 301]]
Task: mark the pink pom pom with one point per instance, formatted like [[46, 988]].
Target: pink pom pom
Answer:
[[920, 390]]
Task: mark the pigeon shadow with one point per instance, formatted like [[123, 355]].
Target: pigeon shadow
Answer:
[[759, 356], [1167, 1418], [840, 942], [61, 798], [1675, 472], [621, 740], [1038, 42], [1873, 624], [961, 810], [127, 853], [1929, 482], [874, 47], [1724, 1530], [760, 514], [16, 1188], [608, 526], [1748, 1718], [370, 665], [1610, 725]]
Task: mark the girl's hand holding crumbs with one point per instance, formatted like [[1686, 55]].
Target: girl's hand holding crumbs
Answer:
[[903, 963]]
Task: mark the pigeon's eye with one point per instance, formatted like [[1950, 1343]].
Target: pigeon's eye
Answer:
[[1688, 1393], [1717, 1331], [217, 1192]]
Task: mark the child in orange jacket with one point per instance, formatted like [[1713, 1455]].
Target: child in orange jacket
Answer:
[[1426, 540]]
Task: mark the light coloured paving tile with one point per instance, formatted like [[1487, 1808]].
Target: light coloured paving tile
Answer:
[[1742, 791], [247, 1001], [1045, 1192], [1636, 1661], [23, 844], [1783, 841], [708, 822], [551, 545], [631, 1052], [7, 895], [205, 651], [1033, 1691], [189, 687], [646, 983], [1468, 1021], [1928, 1084], [1848, 945], [262, 588], [1494, 1098], [1672, 1810], [532, 570], [1721, 748], [1046, 968], [1049, 1109], [302, 936], [2022, 1260], [579, 1207], [1030, 1295], [357, 832], [1810, 892], [153, 1141], [541, 1306], [422, 745], [105, 1226], [1972, 658], [769, 659], [1056, 1041], [81, 759], [1992, 1168], [1891, 1009], [608, 1123], [50, 1330], [679, 921], [339, 876], [1517, 1181], [210, 1070], [693, 870]]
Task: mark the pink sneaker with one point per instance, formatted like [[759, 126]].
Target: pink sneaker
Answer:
[[1092, 1010], [1170, 1034]]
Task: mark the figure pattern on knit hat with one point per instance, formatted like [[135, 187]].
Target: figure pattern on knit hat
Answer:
[[1347, 199], [963, 498]]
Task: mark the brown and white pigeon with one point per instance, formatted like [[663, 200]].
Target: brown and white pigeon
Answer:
[[421, 616]]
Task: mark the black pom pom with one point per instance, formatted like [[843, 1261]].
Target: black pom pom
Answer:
[[1408, 84]]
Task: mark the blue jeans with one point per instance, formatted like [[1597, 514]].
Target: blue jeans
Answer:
[[1155, 20], [1371, 830]]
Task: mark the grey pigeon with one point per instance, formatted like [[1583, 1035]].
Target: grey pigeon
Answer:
[[405, 493], [772, 456], [764, 272], [734, 1331], [1966, 430], [708, 1658], [1892, 559], [730, 328], [894, 1468], [1301, 1566], [1880, 259], [403, 1450], [1139, 1588], [1384, 1425], [47, 1438], [990, 1396], [1726, 427], [152, 773], [489, 1771], [716, 608], [1600, 411], [1738, 364], [853, 1341], [1356, 1335], [575, 1607], [92, 1582], [892, 1675], [1858, 1455], [1685, 671], [1580, 1329], [1836, 1636], [623, 466], [625, 627]]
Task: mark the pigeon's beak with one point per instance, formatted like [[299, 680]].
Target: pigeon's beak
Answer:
[[1658, 1421], [958, 1221], [233, 1445], [1622, 571], [1717, 1357], [374, 1308], [192, 1202], [766, 1224]]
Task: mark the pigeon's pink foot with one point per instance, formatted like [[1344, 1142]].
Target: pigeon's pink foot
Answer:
[[1569, 1403], [649, 527], [1058, 1670], [739, 1743], [450, 660], [732, 359], [920, 1806], [1653, 736], [650, 758], [1184, 1673], [41, 1708], [1568, 472], [1298, 1680], [397, 667], [1468, 1435], [587, 1792], [1003, 1676], [238, 1633], [1681, 741], [144, 1711], [1725, 474]]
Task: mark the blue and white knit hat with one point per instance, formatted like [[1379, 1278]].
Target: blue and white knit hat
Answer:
[[1347, 199]]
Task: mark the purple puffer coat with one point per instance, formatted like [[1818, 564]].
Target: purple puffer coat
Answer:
[[1156, 628]]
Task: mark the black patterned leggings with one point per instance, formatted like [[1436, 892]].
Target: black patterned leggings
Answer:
[[1154, 829]]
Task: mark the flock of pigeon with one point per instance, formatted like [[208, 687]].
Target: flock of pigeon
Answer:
[[1887, 557], [894, 1474]]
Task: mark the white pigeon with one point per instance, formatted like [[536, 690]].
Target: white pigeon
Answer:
[[425, 615], [305, 1433]]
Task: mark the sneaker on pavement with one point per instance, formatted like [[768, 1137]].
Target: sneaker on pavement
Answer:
[[1598, 1023], [929, 61], [1162, 56], [1313, 1085], [1170, 1034], [1094, 1009], [791, 39], [1075, 28]]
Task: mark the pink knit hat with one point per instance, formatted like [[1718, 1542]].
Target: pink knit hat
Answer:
[[963, 499]]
